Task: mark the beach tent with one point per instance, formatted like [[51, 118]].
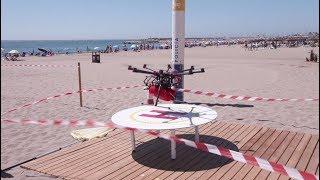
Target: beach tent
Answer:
[[13, 52]]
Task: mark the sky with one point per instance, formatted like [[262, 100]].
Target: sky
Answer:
[[133, 19]]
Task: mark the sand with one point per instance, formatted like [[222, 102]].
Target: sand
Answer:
[[280, 73]]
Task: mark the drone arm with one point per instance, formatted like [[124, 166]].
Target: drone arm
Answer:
[[199, 71], [142, 71], [191, 69], [157, 100]]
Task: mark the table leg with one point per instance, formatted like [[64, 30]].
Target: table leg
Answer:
[[133, 141], [196, 137], [173, 146], [158, 131]]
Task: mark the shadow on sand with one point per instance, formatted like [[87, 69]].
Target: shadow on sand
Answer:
[[5, 175], [156, 154]]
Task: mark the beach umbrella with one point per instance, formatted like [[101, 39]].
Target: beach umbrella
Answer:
[[13, 52], [133, 46], [96, 48]]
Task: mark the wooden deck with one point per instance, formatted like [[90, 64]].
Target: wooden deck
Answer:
[[111, 157]]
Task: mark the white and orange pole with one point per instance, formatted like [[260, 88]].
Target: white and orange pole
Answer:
[[178, 41], [177, 60]]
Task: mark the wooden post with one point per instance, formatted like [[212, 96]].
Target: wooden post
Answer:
[[80, 89]]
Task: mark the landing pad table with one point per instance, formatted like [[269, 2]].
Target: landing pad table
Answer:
[[164, 117]]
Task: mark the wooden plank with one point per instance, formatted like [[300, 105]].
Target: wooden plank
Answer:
[[68, 151], [223, 134], [103, 160], [78, 154], [110, 157], [62, 164], [251, 142], [119, 151], [242, 138], [267, 154], [123, 173], [287, 154], [247, 146], [61, 153], [314, 160], [306, 156], [188, 165], [151, 171], [139, 168], [238, 133], [297, 154], [257, 149], [143, 169], [61, 161], [263, 174], [167, 163], [81, 161]]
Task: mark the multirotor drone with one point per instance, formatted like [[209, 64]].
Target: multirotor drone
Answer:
[[162, 83]]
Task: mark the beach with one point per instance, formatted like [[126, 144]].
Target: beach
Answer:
[[233, 70]]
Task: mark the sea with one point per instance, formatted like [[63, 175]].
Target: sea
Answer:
[[59, 46]]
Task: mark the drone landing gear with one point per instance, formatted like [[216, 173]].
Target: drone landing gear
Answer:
[[157, 100]]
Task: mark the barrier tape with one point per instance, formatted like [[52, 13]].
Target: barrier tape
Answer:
[[212, 94], [36, 65], [221, 151], [244, 98], [69, 93]]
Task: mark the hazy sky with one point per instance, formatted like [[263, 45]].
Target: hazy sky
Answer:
[[121, 19]]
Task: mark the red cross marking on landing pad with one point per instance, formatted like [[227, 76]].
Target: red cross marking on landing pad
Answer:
[[165, 114]]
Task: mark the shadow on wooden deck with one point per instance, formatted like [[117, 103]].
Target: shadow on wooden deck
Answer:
[[188, 158]]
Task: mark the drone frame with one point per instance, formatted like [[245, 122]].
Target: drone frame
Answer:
[[163, 79]]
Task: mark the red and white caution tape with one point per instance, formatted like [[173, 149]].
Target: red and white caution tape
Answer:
[[36, 65], [244, 98], [69, 93], [221, 151]]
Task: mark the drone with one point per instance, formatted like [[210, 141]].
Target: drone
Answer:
[[162, 83]]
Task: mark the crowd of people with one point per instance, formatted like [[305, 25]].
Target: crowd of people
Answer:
[[253, 44], [313, 57], [276, 44]]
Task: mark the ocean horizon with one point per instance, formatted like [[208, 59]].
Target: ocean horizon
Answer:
[[58, 45]]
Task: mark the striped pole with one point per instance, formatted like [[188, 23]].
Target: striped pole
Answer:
[[178, 39]]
